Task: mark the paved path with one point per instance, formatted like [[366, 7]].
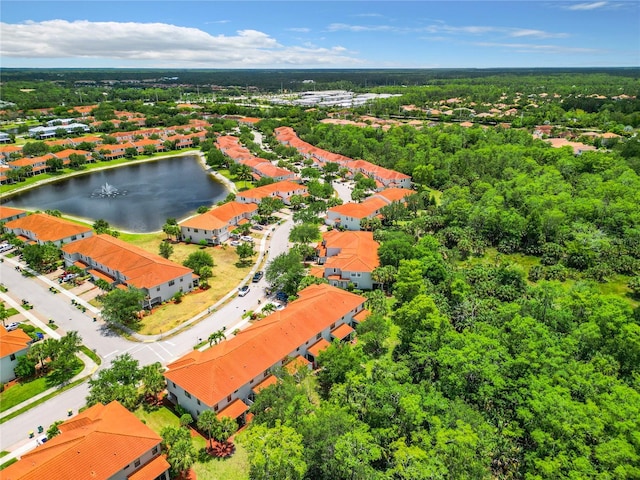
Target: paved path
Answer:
[[227, 314]]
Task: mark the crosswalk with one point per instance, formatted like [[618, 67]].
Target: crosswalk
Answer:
[[163, 352]]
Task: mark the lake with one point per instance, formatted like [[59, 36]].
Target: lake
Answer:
[[147, 194]]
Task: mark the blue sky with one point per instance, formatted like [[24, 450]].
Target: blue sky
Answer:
[[319, 34]]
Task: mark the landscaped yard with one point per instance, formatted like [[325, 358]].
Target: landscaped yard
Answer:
[[20, 392], [235, 467], [226, 277]]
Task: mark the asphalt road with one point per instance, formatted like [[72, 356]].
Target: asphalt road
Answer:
[[109, 345]]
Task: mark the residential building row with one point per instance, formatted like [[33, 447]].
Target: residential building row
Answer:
[[384, 177], [350, 215], [226, 377], [260, 167], [104, 257], [104, 442]]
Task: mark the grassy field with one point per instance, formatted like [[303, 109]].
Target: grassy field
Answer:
[[207, 468], [227, 274]]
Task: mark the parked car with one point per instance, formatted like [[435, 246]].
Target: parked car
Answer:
[[69, 276], [246, 238], [257, 276], [279, 306], [5, 247], [234, 243], [282, 296], [258, 227], [242, 291], [12, 326]]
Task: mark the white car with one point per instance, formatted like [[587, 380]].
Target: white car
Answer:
[[5, 247], [12, 326], [234, 243], [242, 291], [246, 238]]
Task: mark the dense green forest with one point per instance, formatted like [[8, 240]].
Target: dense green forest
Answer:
[[505, 342], [508, 345]]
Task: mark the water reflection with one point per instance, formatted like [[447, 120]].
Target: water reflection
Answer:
[[173, 187]]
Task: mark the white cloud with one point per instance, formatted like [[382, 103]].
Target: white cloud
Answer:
[[157, 44], [586, 6], [336, 27], [299, 29], [533, 48], [368, 15], [441, 28]]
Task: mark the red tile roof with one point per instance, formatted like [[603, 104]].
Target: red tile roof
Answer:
[[220, 217], [47, 228], [395, 194], [267, 382], [358, 251], [317, 347], [151, 469], [6, 212], [95, 444], [342, 331], [283, 188], [366, 209], [234, 409], [140, 268], [12, 342], [214, 374]]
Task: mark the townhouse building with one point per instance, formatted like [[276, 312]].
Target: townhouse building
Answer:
[[283, 190], [42, 228], [226, 377], [122, 264], [13, 345], [348, 258], [104, 442], [9, 213], [215, 225]]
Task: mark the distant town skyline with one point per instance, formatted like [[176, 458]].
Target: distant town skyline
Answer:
[[319, 34]]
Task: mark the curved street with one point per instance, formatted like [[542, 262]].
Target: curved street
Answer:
[[107, 345]]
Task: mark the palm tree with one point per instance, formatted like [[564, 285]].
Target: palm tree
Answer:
[[152, 380], [269, 308], [208, 422], [216, 337], [244, 173]]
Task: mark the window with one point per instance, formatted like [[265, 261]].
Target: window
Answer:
[[198, 401], [136, 463], [195, 230], [229, 398], [266, 373], [250, 382], [318, 336], [333, 325], [172, 282], [155, 450], [187, 394], [215, 408], [157, 289], [174, 384], [13, 357]]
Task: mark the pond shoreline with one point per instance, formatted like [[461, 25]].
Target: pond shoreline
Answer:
[[224, 183], [45, 181]]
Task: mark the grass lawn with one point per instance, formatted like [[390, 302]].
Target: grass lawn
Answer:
[[234, 468], [226, 276], [20, 392]]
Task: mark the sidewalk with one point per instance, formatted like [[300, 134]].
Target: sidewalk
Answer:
[[262, 253], [89, 369]]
